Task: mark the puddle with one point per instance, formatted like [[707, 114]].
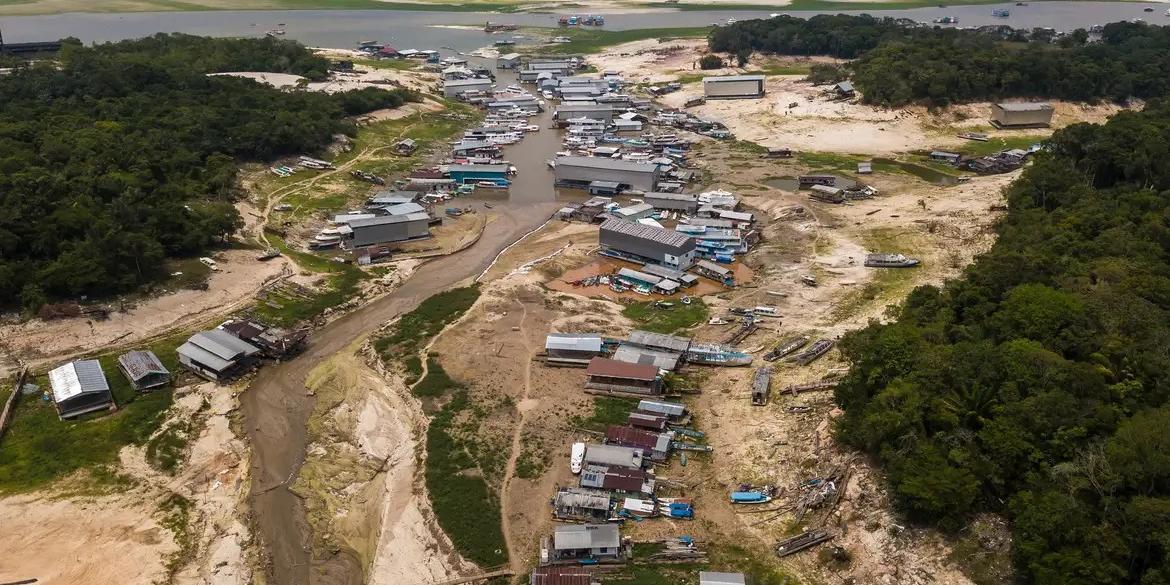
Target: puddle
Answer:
[[922, 172], [783, 183]]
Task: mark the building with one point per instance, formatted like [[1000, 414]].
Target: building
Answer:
[[734, 87], [572, 348], [403, 209], [566, 112], [614, 456], [634, 212], [217, 355], [654, 445], [720, 274], [713, 578], [1021, 114], [386, 229], [604, 188], [384, 198], [647, 244], [80, 387], [673, 411], [827, 194], [684, 279], [274, 342], [844, 89], [618, 479], [659, 341], [562, 576], [575, 542], [463, 174], [405, 146], [580, 171], [581, 504], [663, 360], [647, 421], [947, 157], [456, 87], [609, 376], [508, 61], [687, 202], [144, 370], [559, 66]]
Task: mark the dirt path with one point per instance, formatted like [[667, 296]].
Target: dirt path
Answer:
[[514, 454]]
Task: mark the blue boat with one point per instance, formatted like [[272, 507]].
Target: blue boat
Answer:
[[752, 497]]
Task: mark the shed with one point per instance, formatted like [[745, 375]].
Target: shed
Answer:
[[634, 212], [844, 89], [827, 193], [572, 347], [715, 272], [613, 376], [144, 370], [584, 504], [613, 455], [646, 421], [671, 410], [585, 541], [864, 168], [663, 360], [661, 341], [604, 188], [404, 209], [80, 387], [656, 445], [687, 202], [734, 87], [405, 146], [714, 578], [386, 229], [944, 156], [648, 244], [1022, 114], [216, 354], [508, 61]]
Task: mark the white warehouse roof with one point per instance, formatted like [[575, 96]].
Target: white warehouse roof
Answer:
[[77, 378]]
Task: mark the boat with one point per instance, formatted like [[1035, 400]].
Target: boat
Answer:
[[552, 164], [785, 348], [947, 20], [487, 205], [816, 350], [730, 21], [577, 457], [490, 185], [562, 40], [1001, 13], [269, 254], [750, 497], [890, 261], [977, 136], [1147, 9]]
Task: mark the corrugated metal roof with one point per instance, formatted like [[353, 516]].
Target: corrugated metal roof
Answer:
[[612, 164], [561, 576], [405, 209], [389, 219], [477, 169], [688, 197], [608, 368], [77, 378], [634, 209], [663, 360], [585, 536], [139, 364], [714, 578], [646, 420], [573, 341], [639, 276], [712, 267], [1024, 106], [466, 82], [223, 344], [345, 218], [613, 455], [659, 340], [667, 408], [845, 86], [736, 215], [631, 437], [580, 498], [646, 232], [732, 78], [195, 353]]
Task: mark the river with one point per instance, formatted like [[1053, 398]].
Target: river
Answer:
[[410, 29]]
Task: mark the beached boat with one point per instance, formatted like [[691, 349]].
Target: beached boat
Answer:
[[750, 497], [786, 348], [816, 350], [577, 457], [490, 185], [890, 261]]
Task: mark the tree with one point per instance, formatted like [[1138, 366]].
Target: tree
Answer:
[[710, 61]]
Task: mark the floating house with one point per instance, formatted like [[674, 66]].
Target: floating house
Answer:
[[80, 387], [612, 376], [582, 504], [651, 422], [508, 61], [614, 456], [463, 174], [457, 87], [687, 202], [734, 87], [562, 576], [673, 411], [646, 244], [654, 445], [144, 370], [274, 342], [618, 479], [583, 542], [572, 348], [659, 341], [385, 229], [566, 112], [217, 355], [714, 578], [580, 171]]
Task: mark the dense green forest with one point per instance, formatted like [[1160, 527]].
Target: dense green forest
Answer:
[[897, 63], [122, 155], [1035, 385]]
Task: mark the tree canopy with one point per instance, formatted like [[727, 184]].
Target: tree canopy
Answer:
[[1035, 384], [898, 62], [122, 155]]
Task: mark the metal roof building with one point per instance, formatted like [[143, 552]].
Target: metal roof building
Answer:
[[404, 209], [663, 360], [568, 575], [734, 87], [386, 229], [572, 347], [144, 370], [1021, 114], [634, 212], [583, 504], [714, 578], [586, 540], [612, 376], [454, 87], [594, 111], [656, 445], [615, 477], [671, 274], [393, 197], [687, 202], [659, 341], [613, 455], [668, 409], [80, 387], [579, 171], [649, 244], [216, 354]]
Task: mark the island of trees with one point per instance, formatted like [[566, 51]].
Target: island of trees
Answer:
[[896, 62], [1035, 386], [122, 155]]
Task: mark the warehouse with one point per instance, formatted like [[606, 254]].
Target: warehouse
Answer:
[[659, 341], [580, 171], [688, 202], [508, 61], [463, 174], [216, 354], [647, 244], [1021, 114], [613, 456], [80, 387], [572, 348], [734, 87], [612, 376], [387, 229], [663, 360], [456, 87], [593, 111], [144, 370]]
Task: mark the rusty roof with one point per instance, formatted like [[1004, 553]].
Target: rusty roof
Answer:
[[562, 576], [631, 437], [608, 368], [139, 364]]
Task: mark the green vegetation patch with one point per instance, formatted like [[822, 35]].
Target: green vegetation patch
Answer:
[[606, 411], [417, 327], [436, 383], [593, 40], [660, 318], [290, 307]]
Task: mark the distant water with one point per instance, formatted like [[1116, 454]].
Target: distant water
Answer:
[[407, 29]]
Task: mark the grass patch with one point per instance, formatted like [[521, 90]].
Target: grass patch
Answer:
[[825, 5], [830, 161], [413, 367], [888, 284], [41, 7], [994, 145], [176, 517], [436, 383], [592, 40], [38, 448], [658, 319], [288, 309], [194, 274], [467, 510], [607, 411], [415, 328], [780, 69], [396, 64]]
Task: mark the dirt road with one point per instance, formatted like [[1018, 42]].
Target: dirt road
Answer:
[[276, 407]]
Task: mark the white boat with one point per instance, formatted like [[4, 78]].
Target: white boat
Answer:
[[552, 164], [577, 457], [562, 40], [730, 21]]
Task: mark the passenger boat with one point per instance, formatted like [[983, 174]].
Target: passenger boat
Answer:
[[890, 261], [785, 348]]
